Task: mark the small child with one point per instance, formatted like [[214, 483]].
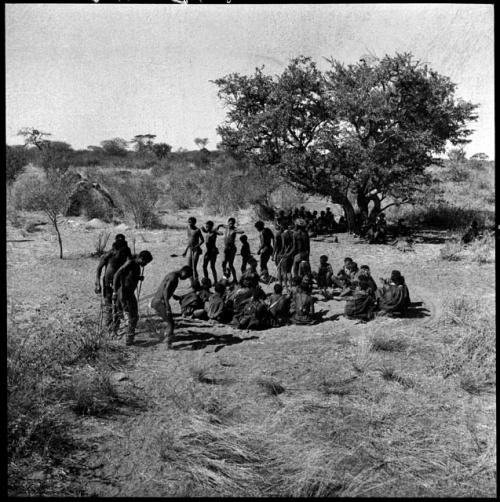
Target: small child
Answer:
[[279, 306], [204, 293], [325, 273], [215, 307], [246, 254], [364, 272]]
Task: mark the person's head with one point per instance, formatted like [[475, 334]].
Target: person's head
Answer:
[[192, 221], [282, 213], [195, 284], [352, 266], [252, 263], [347, 260], [243, 238], [144, 258], [302, 208], [186, 272], [397, 278], [120, 238], [322, 213], [209, 225], [259, 225], [206, 283], [219, 288], [323, 259], [365, 268], [278, 289], [231, 222], [315, 213], [327, 209], [300, 223]]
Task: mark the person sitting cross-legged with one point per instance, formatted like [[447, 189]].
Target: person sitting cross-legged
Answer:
[[393, 297]]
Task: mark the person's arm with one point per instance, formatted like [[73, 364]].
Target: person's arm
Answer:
[[202, 239], [102, 263], [117, 277]]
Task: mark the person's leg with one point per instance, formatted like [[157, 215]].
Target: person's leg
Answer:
[[206, 261], [117, 314], [213, 259], [224, 263], [296, 261], [108, 306], [231, 265], [264, 259], [196, 257], [244, 263], [133, 318]]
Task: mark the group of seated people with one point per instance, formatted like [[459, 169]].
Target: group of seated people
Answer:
[[316, 224], [245, 304], [364, 300]]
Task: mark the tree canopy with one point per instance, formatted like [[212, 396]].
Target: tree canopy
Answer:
[[355, 133]]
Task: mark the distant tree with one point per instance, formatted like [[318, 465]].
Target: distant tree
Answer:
[[116, 147], [201, 142], [457, 155], [15, 160], [33, 137], [357, 134], [479, 156], [54, 155], [50, 195], [161, 150], [143, 143]]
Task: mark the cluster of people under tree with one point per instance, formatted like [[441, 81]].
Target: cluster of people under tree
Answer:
[[242, 302], [315, 224]]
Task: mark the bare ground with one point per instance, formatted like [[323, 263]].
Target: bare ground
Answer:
[[338, 406]]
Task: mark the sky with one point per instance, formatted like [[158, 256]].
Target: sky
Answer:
[[90, 72]]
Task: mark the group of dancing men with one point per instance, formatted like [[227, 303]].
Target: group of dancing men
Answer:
[[242, 302]]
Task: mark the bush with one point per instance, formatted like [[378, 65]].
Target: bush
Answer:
[[184, 190], [140, 196], [15, 160], [446, 216]]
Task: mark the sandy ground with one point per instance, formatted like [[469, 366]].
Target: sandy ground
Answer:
[[37, 280]]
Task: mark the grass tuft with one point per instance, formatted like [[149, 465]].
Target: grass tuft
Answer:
[[387, 344], [270, 386]]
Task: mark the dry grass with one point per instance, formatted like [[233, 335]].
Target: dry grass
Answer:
[[470, 353], [270, 386]]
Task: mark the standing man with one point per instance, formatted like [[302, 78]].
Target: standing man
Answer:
[[212, 251], [161, 299], [125, 282], [301, 245], [230, 249], [111, 261], [195, 240], [266, 248]]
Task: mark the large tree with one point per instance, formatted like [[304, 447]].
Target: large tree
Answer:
[[358, 134]]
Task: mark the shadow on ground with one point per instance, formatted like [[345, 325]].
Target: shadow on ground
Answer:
[[195, 340]]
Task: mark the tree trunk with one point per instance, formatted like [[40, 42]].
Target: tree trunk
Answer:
[[54, 222], [350, 215]]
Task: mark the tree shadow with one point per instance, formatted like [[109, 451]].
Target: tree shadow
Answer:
[[198, 340]]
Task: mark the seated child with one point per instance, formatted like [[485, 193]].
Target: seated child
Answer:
[[325, 273], [279, 306], [364, 272], [303, 304], [215, 308]]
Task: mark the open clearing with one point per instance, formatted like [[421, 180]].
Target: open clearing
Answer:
[[320, 410]]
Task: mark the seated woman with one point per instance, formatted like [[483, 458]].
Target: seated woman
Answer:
[[303, 305], [361, 304], [255, 314], [393, 297]]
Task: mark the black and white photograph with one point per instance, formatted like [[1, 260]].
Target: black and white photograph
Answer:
[[250, 250]]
